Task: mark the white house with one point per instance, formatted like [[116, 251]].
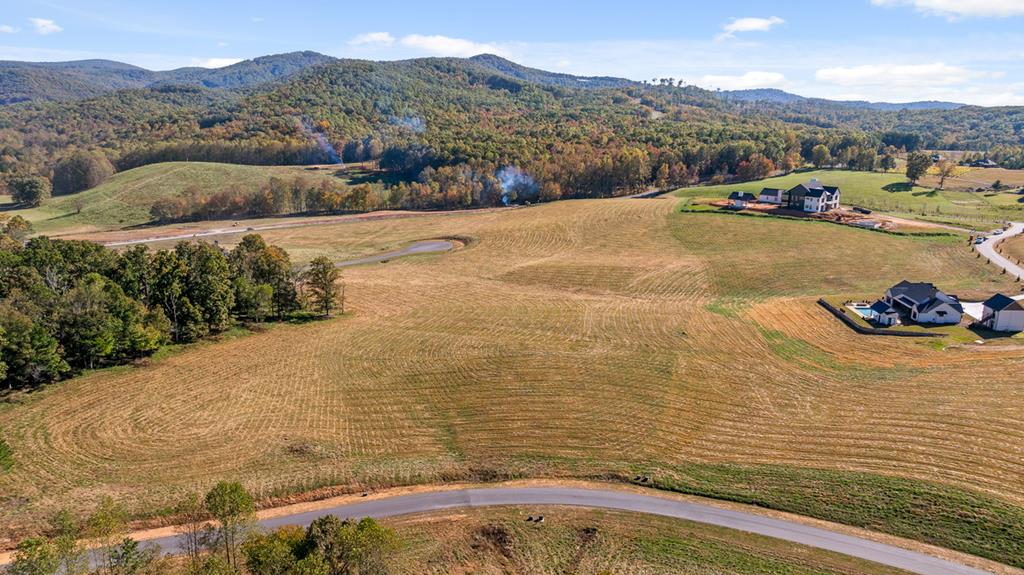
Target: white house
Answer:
[[925, 302], [771, 196], [821, 200], [812, 197], [739, 200], [884, 314], [1002, 313]]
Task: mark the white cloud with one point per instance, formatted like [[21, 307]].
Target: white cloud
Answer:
[[380, 38], [752, 79], [8, 29], [902, 75], [961, 8], [739, 25], [445, 46], [45, 26], [215, 62]]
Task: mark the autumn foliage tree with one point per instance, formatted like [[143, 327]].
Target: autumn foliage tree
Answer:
[[81, 171]]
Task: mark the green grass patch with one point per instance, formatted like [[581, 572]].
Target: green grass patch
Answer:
[[6, 455], [890, 193], [125, 199], [957, 519]]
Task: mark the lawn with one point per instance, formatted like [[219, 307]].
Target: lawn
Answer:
[[588, 338], [125, 199], [500, 540], [890, 193]]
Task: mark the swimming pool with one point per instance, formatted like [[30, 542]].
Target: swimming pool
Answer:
[[863, 311]]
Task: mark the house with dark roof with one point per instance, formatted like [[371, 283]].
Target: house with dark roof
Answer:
[[986, 163], [925, 303], [812, 197], [771, 196], [1002, 313], [739, 200], [884, 314]]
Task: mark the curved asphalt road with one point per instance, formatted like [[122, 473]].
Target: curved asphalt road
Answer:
[[988, 249], [626, 501]]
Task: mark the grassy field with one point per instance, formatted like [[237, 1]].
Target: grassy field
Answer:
[[575, 339], [891, 193], [492, 541], [125, 199]]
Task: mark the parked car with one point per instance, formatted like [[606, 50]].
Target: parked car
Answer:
[[979, 241], [997, 232]]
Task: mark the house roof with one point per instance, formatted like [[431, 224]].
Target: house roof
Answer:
[[1000, 302], [880, 307], [936, 302], [744, 196], [771, 192], [917, 292]]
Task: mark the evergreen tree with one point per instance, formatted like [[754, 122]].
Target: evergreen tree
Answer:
[[321, 279]]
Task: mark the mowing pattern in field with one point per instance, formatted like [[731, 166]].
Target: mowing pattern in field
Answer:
[[563, 337], [592, 542]]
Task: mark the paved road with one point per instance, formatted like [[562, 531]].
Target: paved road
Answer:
[[988, 250], [626, 501], [425, 247]]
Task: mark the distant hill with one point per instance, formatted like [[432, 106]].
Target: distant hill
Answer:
[[782, 97], [63, 81], [125, 199], [509, 68]]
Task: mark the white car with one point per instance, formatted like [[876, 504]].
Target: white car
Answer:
[[997, 233], [979, 241]]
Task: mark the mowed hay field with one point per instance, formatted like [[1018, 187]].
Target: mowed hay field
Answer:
[[500, 540], [582, 338]]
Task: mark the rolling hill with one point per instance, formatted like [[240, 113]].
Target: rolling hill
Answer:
[[56, 81], [125, 199], [783, 97]]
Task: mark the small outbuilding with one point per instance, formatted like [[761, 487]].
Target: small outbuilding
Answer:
[[771, 196], [884, 314], [739, 200], [1002, 313]]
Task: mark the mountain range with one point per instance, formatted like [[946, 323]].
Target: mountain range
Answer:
[[74, 80], [59, 81]]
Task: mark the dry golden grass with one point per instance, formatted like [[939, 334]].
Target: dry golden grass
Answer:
[[572, 338], [492, 541]]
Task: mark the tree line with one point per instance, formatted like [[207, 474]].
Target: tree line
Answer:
[[66, 305], [218, 536]]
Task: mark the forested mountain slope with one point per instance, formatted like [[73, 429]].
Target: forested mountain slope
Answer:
[[62, 81], [582, 135]]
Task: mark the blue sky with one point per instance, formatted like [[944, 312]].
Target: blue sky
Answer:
[[894, 50]]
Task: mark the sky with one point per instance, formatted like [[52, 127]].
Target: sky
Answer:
[[969, 51]]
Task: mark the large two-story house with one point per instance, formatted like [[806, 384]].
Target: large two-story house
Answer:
[[812, 197], [925, 303]]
